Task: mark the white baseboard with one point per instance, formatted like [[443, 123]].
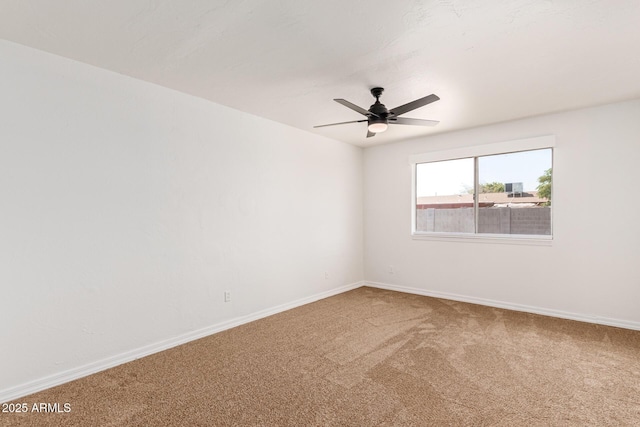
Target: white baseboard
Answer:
[[626, 324], [40, 384]]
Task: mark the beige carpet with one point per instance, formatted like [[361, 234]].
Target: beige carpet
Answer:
[[370, 357]]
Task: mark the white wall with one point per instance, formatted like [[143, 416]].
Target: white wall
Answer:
[[590, 272], [128, 209]]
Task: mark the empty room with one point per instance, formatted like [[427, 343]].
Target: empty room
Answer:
[[295, 213]]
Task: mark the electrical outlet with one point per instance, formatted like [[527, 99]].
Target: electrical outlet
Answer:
[[227, 296], [391, 270], [326, 275]]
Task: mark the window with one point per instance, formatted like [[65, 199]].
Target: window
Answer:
[[499, 191]]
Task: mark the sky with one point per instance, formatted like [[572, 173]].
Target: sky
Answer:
[[456, 176]]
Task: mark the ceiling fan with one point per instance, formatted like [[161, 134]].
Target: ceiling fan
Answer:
[[379, 117]]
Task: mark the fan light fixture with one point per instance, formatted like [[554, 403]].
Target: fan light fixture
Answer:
[[378, 127]]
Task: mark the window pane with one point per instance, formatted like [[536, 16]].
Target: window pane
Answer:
[[444, 192], [515, 193]]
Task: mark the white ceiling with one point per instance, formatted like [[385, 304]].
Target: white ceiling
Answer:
[[489, 61]]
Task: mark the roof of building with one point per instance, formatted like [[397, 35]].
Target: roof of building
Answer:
[[530, 198]]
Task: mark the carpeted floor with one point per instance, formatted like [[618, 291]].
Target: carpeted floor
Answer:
[[370, 357]]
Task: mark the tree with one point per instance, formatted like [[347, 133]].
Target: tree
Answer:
[[492, 187], [544, 186]]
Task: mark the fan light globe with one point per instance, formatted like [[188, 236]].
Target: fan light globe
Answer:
[[378, 127]]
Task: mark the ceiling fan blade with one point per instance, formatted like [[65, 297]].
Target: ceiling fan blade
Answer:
[[394, 112], [415, 122], [341, 123], [354, 107], [370, 134]]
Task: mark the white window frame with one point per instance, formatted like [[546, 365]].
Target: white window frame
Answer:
[[506, 147]]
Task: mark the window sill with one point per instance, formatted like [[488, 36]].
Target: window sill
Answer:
[[502, 239]]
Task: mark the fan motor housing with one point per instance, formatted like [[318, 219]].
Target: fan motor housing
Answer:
[[379, 110]]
